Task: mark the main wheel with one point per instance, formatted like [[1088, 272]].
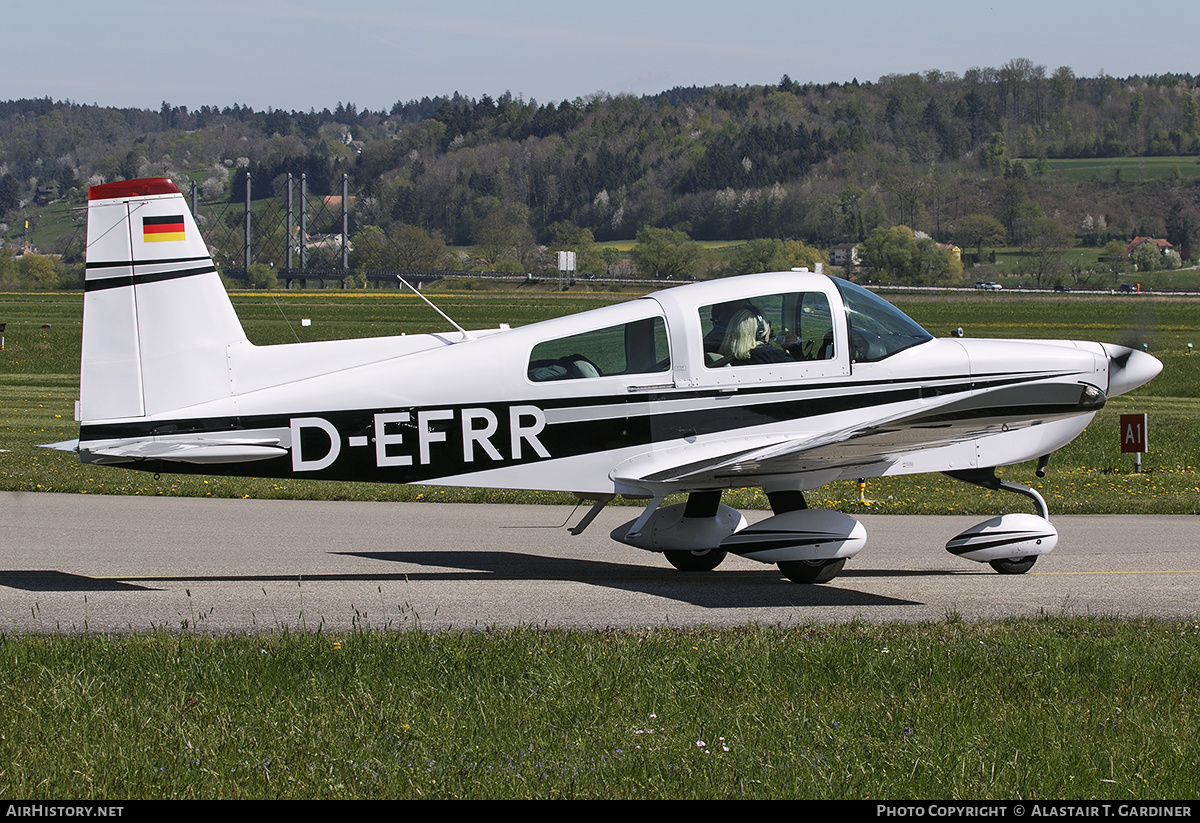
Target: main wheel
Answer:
[[1014, 565], [698, 561], [811, 571]]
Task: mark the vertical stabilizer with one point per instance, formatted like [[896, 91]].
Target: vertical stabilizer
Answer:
[[157, 322]]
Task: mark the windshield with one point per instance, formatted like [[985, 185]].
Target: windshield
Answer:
[[877, 328]]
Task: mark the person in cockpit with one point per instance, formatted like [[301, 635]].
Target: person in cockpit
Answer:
[[746, 340]]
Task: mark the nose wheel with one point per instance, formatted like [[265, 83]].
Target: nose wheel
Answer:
[[1024, 535], [1014, 565]]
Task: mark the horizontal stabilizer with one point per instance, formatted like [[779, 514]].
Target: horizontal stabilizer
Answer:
[[188, 451], [62, 446]]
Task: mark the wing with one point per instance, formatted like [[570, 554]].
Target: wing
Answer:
[[865, 448]]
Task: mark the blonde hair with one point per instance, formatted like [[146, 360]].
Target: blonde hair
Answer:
[[741, 335]]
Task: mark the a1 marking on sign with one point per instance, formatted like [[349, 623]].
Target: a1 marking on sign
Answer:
[[1133, 433]]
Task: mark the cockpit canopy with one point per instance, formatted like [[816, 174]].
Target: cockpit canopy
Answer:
[[772, 319]]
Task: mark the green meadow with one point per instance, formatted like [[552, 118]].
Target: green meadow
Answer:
[[1086, 709], [1124, 169]]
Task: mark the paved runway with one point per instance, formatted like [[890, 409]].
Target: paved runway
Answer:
[[96, 563]]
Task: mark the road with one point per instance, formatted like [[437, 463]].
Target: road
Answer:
[[75, 563]]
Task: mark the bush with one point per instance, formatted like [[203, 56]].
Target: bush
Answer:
[[262, 276]]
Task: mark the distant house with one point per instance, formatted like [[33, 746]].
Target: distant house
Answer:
[[1162, 245], [844, 253], [324, 241]]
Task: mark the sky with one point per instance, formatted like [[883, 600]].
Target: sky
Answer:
[[303, 55]]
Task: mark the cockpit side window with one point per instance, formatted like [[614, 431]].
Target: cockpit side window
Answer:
[[639, 347], [773, 328], [877, 328]]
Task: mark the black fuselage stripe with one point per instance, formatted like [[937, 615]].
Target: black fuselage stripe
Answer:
[[642, 426], [640, 406], [134, 279], [163, 261]]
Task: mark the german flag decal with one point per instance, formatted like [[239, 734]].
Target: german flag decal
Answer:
[[157, 229]]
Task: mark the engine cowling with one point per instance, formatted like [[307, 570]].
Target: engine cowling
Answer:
[[807, 534], [1005, 537]]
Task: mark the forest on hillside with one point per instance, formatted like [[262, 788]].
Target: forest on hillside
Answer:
[[824, 164]]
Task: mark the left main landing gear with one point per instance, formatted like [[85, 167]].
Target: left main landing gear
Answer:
[[699, 505], [688, 534]]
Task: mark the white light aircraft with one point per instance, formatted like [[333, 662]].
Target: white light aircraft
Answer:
[[784, 381]]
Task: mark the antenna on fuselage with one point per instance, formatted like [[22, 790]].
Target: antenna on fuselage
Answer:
[[466, 334]]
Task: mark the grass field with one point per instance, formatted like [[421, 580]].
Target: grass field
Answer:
[[1125, 169], [1087, 709]]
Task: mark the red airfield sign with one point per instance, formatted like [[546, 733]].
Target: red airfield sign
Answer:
[[1133, 433]]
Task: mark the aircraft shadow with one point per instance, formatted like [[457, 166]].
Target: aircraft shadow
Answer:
[[717, 589], [49, 580]]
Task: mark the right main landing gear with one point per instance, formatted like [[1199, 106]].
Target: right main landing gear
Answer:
[[811, 571], [809, 545], [704, 560]]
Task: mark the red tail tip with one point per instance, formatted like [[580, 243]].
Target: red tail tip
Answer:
[[132, 188]]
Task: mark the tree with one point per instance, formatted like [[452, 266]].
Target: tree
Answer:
[[10, 194], [10, 275], [1182, 225], [1114, 260], [979, 230], [664, 253], [901, 254], [612, 259], [1045, 249], [38, 272], [416, 249], [1146, 257], [566, 236], [933, 264], [907, 186], [369, 249], [890, 251], [505, 237], [797, 255], [850, 212], [995, 156], [756, 256]]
